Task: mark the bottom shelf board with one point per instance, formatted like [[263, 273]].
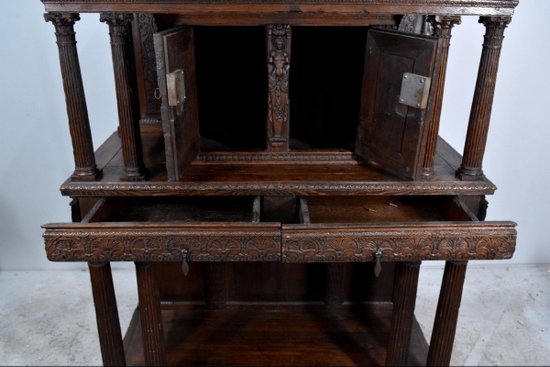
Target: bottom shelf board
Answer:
[[260, 335]]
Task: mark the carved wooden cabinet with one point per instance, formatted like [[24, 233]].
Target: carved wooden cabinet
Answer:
[[277, 178]]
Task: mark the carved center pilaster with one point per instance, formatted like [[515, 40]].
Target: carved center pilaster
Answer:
[[278, 67]]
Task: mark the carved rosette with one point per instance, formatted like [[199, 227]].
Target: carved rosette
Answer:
[[278, 67], [77, 111], [480, 114]]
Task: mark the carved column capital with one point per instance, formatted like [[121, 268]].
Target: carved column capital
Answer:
[[64, 25], [116, 18], [119, 26], [62, 19], [494, 30], [443, 24]]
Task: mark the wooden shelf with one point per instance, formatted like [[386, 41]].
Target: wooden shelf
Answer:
[[298, 335], [264, 173]]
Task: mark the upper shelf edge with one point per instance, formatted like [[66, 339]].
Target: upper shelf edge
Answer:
[[365, 7]]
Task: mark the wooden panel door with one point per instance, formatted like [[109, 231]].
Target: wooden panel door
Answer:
[[391, 135], [175, 57]]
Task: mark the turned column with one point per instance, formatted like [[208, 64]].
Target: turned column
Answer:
[[122, 51], [278, 72], [79, 124], [442, 26], [446, 316], [480, 114], [150, 314], [404, 299], [108, 325]]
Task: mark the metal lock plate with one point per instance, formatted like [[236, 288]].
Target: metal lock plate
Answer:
[[414, 90], [175, 84]]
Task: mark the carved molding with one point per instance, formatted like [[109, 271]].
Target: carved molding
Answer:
[[398, 245], [147, 28], [278, 68], [460, 3], [298, 188], [156, 245]]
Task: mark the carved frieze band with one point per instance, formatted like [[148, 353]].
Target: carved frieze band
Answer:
[[157, 245], [278, 68], [398, 245]]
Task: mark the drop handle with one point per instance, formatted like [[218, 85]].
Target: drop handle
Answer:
[[378, 265], [185, 262]]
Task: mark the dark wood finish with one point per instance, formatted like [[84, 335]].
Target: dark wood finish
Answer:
[[327, 12], [404, 298], [174, 50], [335, 292], [299, 250], [480, 114], [154, 349], [277, 336], [108, 325], [256, 173], [79, 125], [121, 48], [278, 41], [443, 333], [442, 29], [392, 135], [215, 287], [143, 28]]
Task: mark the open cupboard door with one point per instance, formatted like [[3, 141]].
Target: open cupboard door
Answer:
[[175, 59], [396, 101]]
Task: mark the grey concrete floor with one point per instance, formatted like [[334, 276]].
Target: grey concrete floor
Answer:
[[47, 317]]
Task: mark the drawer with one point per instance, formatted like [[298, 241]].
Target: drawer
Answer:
[[167, 229], [384, 228]]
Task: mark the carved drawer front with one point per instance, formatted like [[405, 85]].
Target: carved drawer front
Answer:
[[352, 229], [167, 229]]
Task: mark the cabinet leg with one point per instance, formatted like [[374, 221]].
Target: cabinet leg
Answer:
[[108, 325], [150, 315], [404, 298], [443, 334]]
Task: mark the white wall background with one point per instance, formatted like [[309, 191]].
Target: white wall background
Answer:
[[36, 156]]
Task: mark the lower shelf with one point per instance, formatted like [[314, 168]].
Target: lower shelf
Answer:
[[255, 335]]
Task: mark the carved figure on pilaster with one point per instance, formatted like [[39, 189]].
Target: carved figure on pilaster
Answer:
[[480, 114], [77, 111], [121, 47], [278, 67], [442, 26]]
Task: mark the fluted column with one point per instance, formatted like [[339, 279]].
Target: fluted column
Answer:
[[79, 124], [108, 325], [215, 287], [480, 114], [334, 295], [150, 315], [442, 26], [404, 299], [443, 333], [122, 52]]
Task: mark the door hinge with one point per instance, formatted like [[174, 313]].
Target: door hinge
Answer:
[[415, 90], [175, 84]]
